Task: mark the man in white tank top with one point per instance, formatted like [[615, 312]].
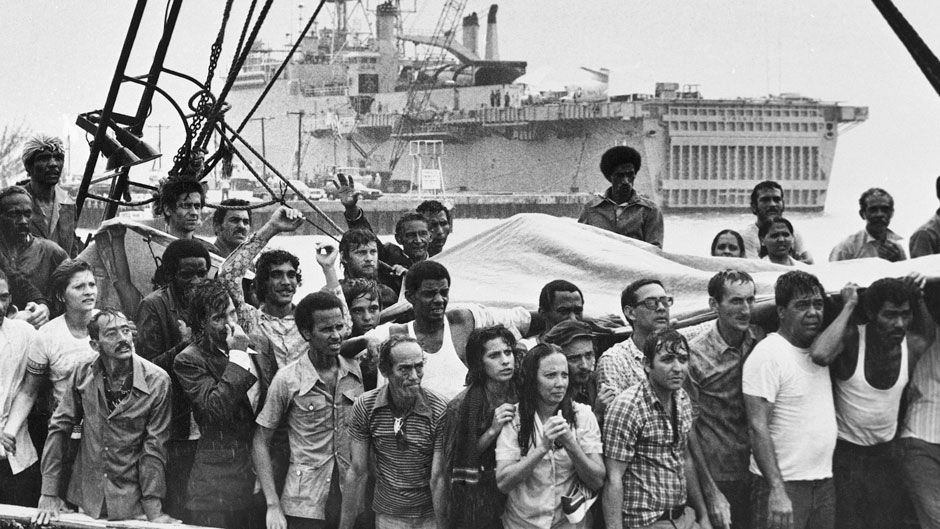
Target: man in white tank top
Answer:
[[870, 364]]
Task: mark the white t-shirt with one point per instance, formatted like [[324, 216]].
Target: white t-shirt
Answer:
[[57, 355], [803, 421], [17, 339]]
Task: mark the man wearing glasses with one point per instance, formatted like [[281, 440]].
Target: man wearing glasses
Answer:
[[401, 425]]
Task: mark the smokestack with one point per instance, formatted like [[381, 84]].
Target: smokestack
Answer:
[[471, 30], [386, 23], [492, 40]]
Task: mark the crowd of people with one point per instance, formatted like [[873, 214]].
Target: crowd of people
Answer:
[[222, 402]]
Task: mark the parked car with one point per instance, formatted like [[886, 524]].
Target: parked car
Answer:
[[311, 193], [368, 193]]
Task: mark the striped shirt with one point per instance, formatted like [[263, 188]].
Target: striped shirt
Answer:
[[403, 462], [638, 431], [923, 412]]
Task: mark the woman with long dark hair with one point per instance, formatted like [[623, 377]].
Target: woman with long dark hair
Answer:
[[475, 419], [552, 443]]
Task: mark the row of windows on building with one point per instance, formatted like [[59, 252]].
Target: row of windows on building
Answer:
[[750, 162], [744, 112]]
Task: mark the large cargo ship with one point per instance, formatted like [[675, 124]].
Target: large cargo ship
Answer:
[[450, 121]]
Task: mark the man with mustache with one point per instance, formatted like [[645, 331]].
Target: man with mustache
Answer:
[[621, 209], [790, 411], [876, 207], [766, 203], [21, 251], [124, 402], [53, 208], [870, 365], [231, 226]]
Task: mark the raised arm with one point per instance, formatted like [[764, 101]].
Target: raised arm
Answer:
[[923, 331], [759, 410], [830, 343]]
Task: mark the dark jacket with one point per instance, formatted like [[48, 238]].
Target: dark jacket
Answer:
[[63, 232]]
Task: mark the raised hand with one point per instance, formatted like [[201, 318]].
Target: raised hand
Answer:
[[850, 294], [236, 337], [501, 416], [346, 191], [326, 255], [286, 219]]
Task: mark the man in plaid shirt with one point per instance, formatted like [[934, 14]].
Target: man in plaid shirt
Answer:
[[646, 432]]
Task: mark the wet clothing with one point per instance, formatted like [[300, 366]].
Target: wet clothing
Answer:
[[926, 239], [60, 224], [638, 218], [861, 244]]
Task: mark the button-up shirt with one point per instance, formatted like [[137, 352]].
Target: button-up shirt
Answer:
[[317, 422], [621, 366], [861, 244], [17, 340], [121, 460], [638, 218], [402, 463], [715, 377], [36, 261], [926, 239], [639, 432], [59, 226]]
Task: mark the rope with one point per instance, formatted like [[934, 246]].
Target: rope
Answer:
[[241, 38]]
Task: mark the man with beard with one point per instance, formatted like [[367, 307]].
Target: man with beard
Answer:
[[180, 201], [53, 208], [576, 340], [791, 414], [621, 209], [359, 255], [876, 207], [767, 203], [22, 252], [870, 365], [123, 403], [231, 226]]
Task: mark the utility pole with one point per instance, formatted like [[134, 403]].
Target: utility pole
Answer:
[[158, 163], [264, 151], [300, 125]]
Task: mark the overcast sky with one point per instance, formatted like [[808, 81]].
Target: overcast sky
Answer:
[[58, 57]]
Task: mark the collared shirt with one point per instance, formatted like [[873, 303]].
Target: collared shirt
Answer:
[[36, 261], [402, 463], [926, 239], [121, 460], [638, 218], [621, 366], [923, 410], [59, 226], [715, 377], [17, 340], [318, 430], [861, 244], [288, 343], [535, 503], [639, 432]]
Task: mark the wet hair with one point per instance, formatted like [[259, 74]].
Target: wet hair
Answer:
[[303, 312], [268, 260], [175, 252], [423, 271], [716, 285], [886, 290], [547, 295], [385, 351], [207, 298], [870, 192], [358, 286], [529, 393], [617, 156], [431, 207], [763, 230], [668, 340], [763, 186], [408, 217], [218, 216], [94, 329], [13, 190], [171, 189], [793, 284], [734, 234], [64, 273], [353, 239], [628, 296], [475, 345]]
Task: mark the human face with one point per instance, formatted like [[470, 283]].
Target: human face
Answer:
[[190, 270], [893, 321], [580, 355], [778, 241], [186, 215], [404, 379], [439, 227], [327, 333], [498, 360], [234, 228], [81, 292], [282, 285], [430, 300], [5, 299], [552, 379], [801, 320], [734, 309], [621, 182], [667, 371], [115, 339], [565, 306], [363, 261], [644, 319], [414, 238], [727, 246], [218, 323], [364, 312], [769, 204], [17, 210], [46, 168], [877, 214]]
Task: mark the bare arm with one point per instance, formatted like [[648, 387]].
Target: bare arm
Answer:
[[719, 510], [355, 480], [831, 342], [613, 493], [758, 416], [509, 474], [19, 409], [439, 488], [696, 499], [923, 331], [261, 456]]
